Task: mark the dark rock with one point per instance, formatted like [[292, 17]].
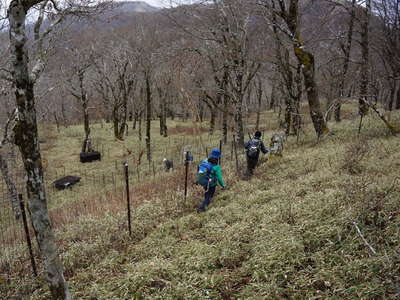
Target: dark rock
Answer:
[[89, 156], [66, 182]]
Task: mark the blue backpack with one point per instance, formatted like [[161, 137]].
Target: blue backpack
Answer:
[[205, 176]]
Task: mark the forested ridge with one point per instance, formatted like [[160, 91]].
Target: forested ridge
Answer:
[[108, 92]]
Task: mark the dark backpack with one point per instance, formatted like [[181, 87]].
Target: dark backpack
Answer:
[[254, 148], [205, 175]]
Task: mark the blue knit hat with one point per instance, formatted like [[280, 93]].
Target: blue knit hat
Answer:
[[215, 153]]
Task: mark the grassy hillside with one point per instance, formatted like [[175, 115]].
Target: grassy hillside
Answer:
[[323, 221]]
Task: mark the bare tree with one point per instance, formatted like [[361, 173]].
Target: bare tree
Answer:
[[224, 32], [115, 83], [25, 128], [77, 87], [365, 62], [345, 46], [288, 13], [388, 47]]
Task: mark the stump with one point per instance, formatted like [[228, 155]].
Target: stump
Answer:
[[89, 156], [65, 182]]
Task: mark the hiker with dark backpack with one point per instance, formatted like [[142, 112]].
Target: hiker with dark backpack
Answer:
[[209, 175], [252, 149]]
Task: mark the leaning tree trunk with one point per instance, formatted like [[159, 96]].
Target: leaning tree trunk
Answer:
[[26, 138], [148, 117], [306, 59]]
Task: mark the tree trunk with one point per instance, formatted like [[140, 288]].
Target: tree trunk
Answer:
[[347, 51], [296, 118], [135, 119], [63, 114], [201, 112], [213, 115], [140, 125], [225, 119], [148, 117], [115, 118], [57, 122], [307, 61], [11, 187], [164, 116], [397, 106], [161, 123], [272, 98], [259, 101], [163, 113], [85, 145], [363, 107], [124, 117], [239, 124], [26, 138]]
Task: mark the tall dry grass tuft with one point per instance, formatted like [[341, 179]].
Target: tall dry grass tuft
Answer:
[[355, 154]]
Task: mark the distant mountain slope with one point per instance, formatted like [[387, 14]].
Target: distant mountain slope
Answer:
[[134, 6]]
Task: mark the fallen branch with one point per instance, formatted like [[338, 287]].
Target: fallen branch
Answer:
[[363, 238], [393, 129]]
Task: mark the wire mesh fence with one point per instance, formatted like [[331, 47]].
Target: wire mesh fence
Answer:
[[98, 192]]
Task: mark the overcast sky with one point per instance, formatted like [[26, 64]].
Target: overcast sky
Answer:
[[159, 3], [156, 2]]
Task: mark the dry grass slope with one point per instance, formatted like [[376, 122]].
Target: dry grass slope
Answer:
[[290, 232]]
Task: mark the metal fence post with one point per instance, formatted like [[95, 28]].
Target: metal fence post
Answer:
[[27, 235]]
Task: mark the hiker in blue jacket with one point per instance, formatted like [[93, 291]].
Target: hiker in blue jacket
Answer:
[[209, 176]]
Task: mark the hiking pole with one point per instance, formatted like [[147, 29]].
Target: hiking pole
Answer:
[[128, 200]]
